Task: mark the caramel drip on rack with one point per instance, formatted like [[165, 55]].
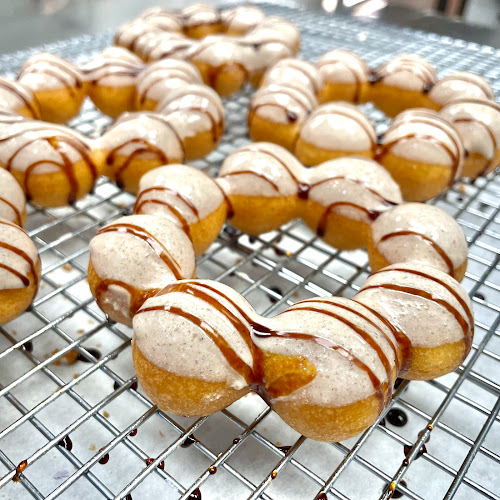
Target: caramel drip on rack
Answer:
[[14, 209], [437, 248], [428, 296], [449, 288], [455, 157], [355, 117], [151, 240], [66, 166], [403, 341], [21, 253], [17, 90]]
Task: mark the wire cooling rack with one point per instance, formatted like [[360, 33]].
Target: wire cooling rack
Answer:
[[74, 423]]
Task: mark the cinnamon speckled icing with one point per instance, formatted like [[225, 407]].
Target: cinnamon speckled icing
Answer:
[[478, 123], [14, 267], [164, 349], [339, 126], [294, 73], [44, 71], [461, 85], [132, 130], [113, 67], [15, 95], [415, 314], [12, 199], [353, 180], [159, 78], [192, 109], [342, 66], [407, 71], [429, 221], [275, 103], [424, 136], [269, 162], [134, 251], [171, 185]]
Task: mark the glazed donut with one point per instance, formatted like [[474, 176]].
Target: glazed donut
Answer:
[[423, 153], [240, 20], [338, 200], [277, 112], [121, 282], [326, 365], [12, 199], [111, 78], [53, 163], [346, 77], [478, 124], [460, 85], [415, 232], [57, 84], [135, 144], [19, 271], [415, 298], [334, 130], [189, 198], [159, 78], [17, 98], [401, 83]]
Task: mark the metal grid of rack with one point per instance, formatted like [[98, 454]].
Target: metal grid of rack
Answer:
[[69, 402]]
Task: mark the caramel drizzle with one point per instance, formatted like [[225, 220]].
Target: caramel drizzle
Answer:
[[469, 331], [402, 340], [435, 246], [54, 74], [16, 211], [21, 93], [419, 70], [454, 157], [320, 231], [67, 70], [152, 241], [112, 66], [172, 73], [21, 253], [356, 117], [358, 78], [292, 63], [264, 177], [297, 96], [489, 165], [480, 83], [181, 45], [428, 296], [66, 166]]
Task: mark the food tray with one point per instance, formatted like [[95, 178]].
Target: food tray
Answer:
[[86, 429]]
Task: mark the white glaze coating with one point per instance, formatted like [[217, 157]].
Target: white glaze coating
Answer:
[[191, 183], [262, 53], [114, 67], [275, 102], [428, 220], [242, 18], [294, 73], [338, 381], [16, 138], [276, 29], [10, 95], [166, 21], [478, 124], [10, 194], [265, 159], [407, 71], [170, 45], [192, 109], [339, 126], [13, 235], [416, 316], [157, 79], [128, 34], [200, 14], [150, 127], [342, 66], [120, 256], [431, 131], [461, 85], [179, 346], [217, 50], [363, 179], [44, 71]]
